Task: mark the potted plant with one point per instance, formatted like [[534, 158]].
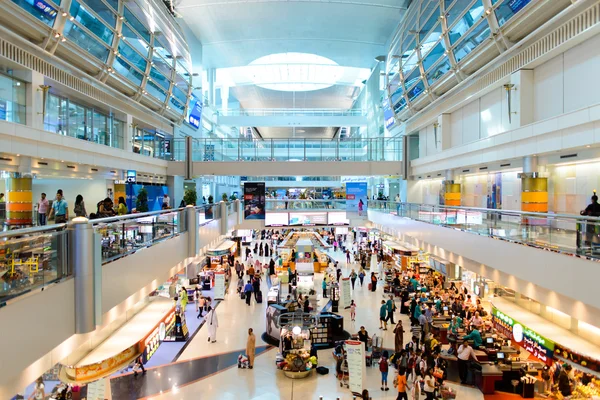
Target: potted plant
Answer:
[[141, 203], [190, 197], [210, 199], [224, 197]]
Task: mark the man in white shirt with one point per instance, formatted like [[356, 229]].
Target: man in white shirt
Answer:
[[464, 354]]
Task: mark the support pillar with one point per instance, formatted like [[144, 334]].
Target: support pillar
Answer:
[[211, 76], [534, 189], [34, 101], [444, 132], [574, 328], [191, 217], [240, 211], [452, 190], [223, 220], [81, 258], [19, 195], [519, 100], [129, 134]]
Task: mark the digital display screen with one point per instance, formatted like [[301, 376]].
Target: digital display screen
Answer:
[[194, 112], [276, 219], [308, 219], [337, 218], [500, 356]]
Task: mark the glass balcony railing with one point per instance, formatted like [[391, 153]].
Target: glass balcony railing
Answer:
[[124, 235], [298, 204], [220, 150], [563, 233], [297, 112], [32, 259]]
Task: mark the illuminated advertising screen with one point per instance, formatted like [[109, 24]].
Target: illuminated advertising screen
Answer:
[[276, 219], [308, 219], [388, 114], [337, 218], [194, 112]]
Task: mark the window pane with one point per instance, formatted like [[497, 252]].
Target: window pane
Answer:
[[77, 121], [409, 58], [397, 96], [509, 8], [182, 67], [414, 92], [401, 105], [136, 24], [177, 106], [85, 18], [433, 19], [127, 71], [179, 94], [12, 100], [134, 40], [412, 78], [100, 129], [438, 71], [472, 40], [104, 11], [39, 9], [155, 91], [426, 7], [433, 56], [132, 56], [86, 41], [159, 78], [466, 21], [163, 66], [162, 49]]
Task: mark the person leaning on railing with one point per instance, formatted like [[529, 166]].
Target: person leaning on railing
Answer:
[[592, 228]]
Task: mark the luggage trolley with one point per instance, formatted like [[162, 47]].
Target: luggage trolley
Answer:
[[341, 364]]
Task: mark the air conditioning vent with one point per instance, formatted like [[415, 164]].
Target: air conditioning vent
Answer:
[[95, 169], [504, 165], [5, 159], [466, 170], [568, 156], [71, 166], [42, 163], [483, 168]]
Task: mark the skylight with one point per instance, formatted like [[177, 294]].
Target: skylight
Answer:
[[294, 72]]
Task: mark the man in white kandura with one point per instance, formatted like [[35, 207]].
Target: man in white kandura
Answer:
[[212, 322]]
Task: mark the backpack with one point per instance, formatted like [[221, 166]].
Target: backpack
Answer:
[[383, 365]]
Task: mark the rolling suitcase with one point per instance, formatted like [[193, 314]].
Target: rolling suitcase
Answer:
[[243, 295], [370, 286], [259, 298]]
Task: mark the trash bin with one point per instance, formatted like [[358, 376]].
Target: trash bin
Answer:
[[528, 390]]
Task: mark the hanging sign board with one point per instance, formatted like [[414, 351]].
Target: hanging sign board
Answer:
[[346, 296], [219, 285]]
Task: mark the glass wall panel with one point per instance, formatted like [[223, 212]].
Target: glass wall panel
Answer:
[[117, 133], [12, 100], [506, 10], [163, 66], [156, 91], [162, 48], [103, 11], [472, 40], [127, 71], [100, 129], [182, 67], [401, 105], [434, 55], [426, 7], [136, 24], [133, 57], [159, 79], [409, 58], [179, 94], [134, 40], [39, 9], [177, 106], [86, 41], [77, 126], [415, 91], [468, 17], [93, 24], [412, 78], [439, 70], [433, 19]]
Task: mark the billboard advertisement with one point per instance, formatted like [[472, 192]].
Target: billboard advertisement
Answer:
[[356, 196], [254, 200], [155, 196], [388, 114], [194, 112], [337, 218], [276, 219], [308, 219]]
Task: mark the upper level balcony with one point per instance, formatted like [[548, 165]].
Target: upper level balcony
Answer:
[[293, 117]]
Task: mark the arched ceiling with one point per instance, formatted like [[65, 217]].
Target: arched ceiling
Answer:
[[236, 32]]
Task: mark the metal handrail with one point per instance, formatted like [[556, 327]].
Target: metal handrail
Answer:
[[583, 218], [133, 216], [29, 231]]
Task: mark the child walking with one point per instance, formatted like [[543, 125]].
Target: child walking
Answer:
[[384, 368]]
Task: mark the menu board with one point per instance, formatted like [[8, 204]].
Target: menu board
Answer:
[[219, 285], [346, 293], [97, 390], [356, 365]]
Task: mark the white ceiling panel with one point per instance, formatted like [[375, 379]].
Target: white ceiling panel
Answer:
[[338, 96], [298, 133]]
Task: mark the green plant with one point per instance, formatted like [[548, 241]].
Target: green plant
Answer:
[[141, 203], [224, 197], [190, 197], [233, 197], [210, 199]]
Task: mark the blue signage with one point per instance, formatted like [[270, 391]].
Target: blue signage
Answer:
[[131, 176], [155, 196], [194, 113], [516, 5], [388, 115]]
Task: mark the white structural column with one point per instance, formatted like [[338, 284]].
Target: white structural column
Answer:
[[34, 100], [211, 76], [444, 132], [521, 98], [224, 99], [129, 132]]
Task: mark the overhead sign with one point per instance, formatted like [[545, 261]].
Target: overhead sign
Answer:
[[131, 176], [346, 296], [219, 285], [194, 112], [388, 114]]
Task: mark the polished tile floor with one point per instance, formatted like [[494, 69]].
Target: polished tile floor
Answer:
[[207, 371]]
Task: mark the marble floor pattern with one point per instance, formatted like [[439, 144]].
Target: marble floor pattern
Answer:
[[265, 382]]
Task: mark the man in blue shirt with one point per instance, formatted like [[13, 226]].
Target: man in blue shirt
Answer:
[[60, 209], [248, 292], [324, 287], [383, 316], [415, 283]]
